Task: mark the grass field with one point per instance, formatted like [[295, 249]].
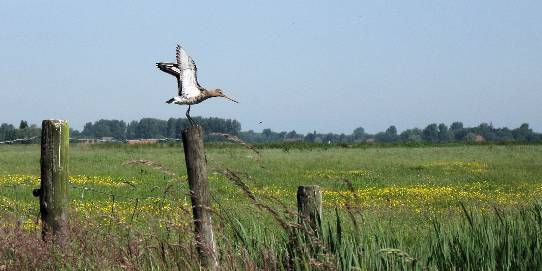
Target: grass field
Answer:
[[400, 194]]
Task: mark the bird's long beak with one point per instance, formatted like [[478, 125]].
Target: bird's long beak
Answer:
[[229, 98]]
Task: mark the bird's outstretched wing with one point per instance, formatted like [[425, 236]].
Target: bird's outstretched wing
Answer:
[[173, 69], [189, 86], [168, 67]]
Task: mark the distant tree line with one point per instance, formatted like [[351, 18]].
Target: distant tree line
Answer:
[[432, 133], [147, 128], [154, 128]]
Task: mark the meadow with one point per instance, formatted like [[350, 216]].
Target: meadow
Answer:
[[384, 208]]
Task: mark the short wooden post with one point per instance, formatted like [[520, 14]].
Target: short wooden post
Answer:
[[309, 205], [53, 193], [196, 167]]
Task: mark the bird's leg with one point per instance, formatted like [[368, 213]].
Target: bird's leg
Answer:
[[188, 116]]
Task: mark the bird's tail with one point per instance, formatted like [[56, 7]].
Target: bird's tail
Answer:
[[170, 100]]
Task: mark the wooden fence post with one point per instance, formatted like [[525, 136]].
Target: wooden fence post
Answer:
[[309, 205], [196, 167], [53, 193]]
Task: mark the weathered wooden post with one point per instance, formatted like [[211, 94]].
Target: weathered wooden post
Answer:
[[309, 205], [53, 193], [196, 167]]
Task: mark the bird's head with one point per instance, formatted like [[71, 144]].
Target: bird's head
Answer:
[[218, 93]]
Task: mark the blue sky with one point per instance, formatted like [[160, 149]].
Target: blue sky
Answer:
[[304, 65]]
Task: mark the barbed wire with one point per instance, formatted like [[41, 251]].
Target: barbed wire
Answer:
[[94, 190], [228, 137], [95, 140], [237, 140], [18, 140]]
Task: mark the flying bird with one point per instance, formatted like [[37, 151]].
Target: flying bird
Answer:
[[189, 90]]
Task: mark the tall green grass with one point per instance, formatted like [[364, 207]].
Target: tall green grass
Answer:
[[500, 240]]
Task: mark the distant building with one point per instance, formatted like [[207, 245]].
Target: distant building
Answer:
[[143, 141], [85, 141], [479, 138], [472, 137]]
